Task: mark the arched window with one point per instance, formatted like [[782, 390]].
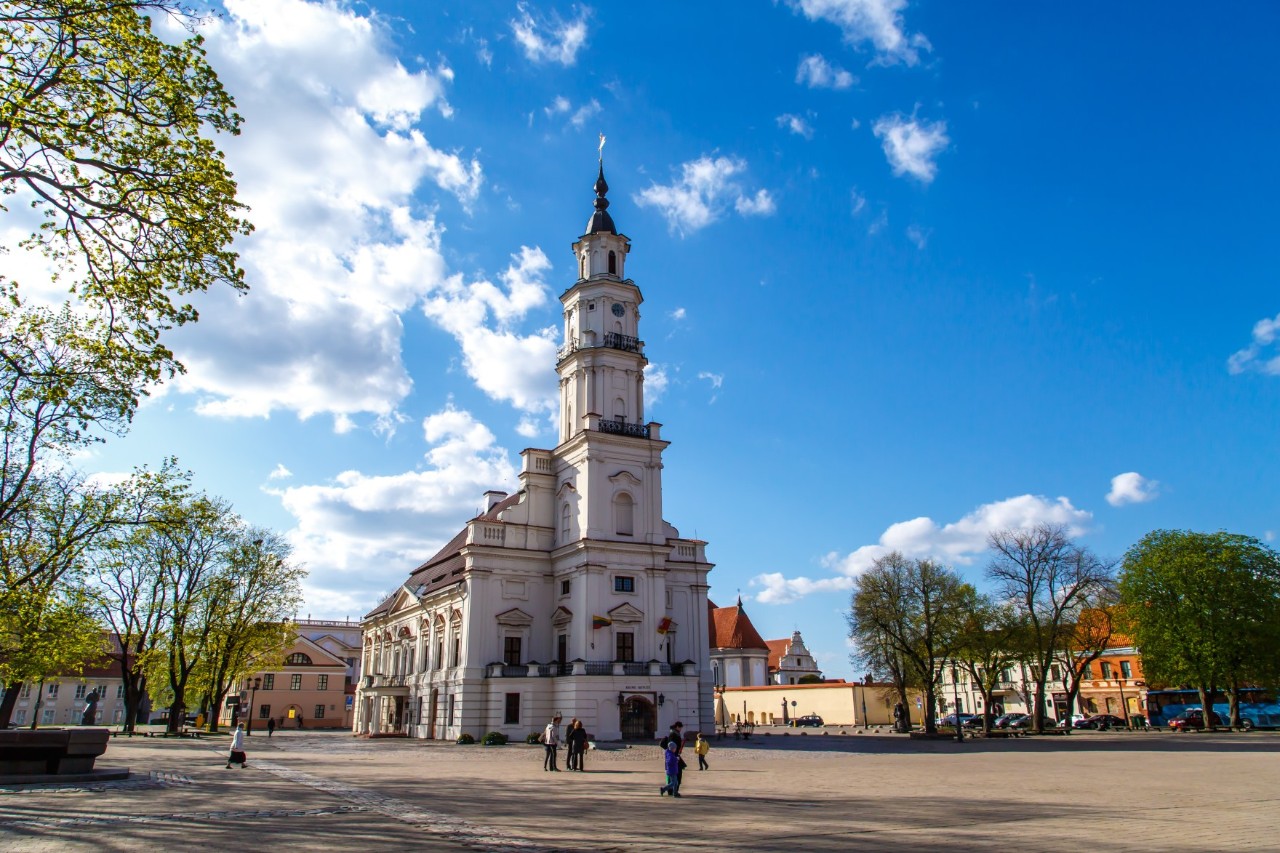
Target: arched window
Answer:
[[584, 264], [624, 514], [564, 523], [298, 659], [620, 410], [613, 264]]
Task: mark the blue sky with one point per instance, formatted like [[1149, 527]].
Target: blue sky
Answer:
[[912, 271]]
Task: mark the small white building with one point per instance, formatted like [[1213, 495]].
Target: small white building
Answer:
[[739, 655], [790, 661], [572, 596]]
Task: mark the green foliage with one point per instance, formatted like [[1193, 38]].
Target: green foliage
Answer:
[[1203, 607], [465, 739], [47, 632], [810, 679], [533, 737], [107, 132], [494, 739]]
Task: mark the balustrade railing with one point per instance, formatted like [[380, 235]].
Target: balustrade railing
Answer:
[[623, 428], [611, 340]]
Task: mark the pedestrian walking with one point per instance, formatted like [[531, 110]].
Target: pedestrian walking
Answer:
[[676, 736], [570, 758], [577, 739], [237, 748], [671, 765], [550, 740], [701, 747], [271, 726]]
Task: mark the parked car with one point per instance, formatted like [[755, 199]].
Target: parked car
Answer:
[[949, 720], [1004, 721], [1193, 718], [1027, 721], [1102, 722], [809, 721], [975, 722]]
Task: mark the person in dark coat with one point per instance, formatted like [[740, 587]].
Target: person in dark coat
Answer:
[[577, 739], [676, 736], [671, 764], [271, 726]]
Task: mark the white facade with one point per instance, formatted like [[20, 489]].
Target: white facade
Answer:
[[794, 663], [572, 596]]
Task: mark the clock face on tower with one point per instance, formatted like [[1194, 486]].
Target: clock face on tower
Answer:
[[618, 310]]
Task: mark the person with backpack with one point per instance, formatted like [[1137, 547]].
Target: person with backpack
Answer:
[[701, 748], [550, 740]]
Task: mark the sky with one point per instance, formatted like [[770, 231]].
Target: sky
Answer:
[[913, 272]]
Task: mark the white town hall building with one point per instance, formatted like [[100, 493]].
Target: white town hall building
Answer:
[[572, 596]]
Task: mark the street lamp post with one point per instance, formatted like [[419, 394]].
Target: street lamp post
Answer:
[[1124, 707], [955, 692], [253, 693]]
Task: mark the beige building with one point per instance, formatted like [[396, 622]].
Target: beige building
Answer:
[[838, 703], [61, 700], [309, 691]]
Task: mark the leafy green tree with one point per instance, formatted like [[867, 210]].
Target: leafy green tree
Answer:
[[1204, 608], [107, 131], [992, 638], [1049, 580], [914, 609]]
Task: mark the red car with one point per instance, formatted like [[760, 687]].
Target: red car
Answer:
[[1193, 718]]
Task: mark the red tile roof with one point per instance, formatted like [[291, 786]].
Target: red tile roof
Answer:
[[777, 650], [729, 628]]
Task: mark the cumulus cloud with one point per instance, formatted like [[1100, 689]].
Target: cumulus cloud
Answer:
[[656, 382], [678, 314], [367, 532], [918, 235], [958, 542], [816, 73], [553, 40], [1132, 488], [505, 364], [333, 262], [796, 124], [1262, 355], [280, 472], [912, 145], [878, 22], [704, 190]]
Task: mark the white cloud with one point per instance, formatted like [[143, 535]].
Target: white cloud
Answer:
[[560, 104], [716, 380], [503, 363], [702, 194], [857, 201], [816, 73], [876, 21], [585, 112], [796, 124], [958, 542], [333, 262], [678, 314], [367, 532], [911, 145], [1262, 355], [855, 124], [919, 236], [656, 382], [1270, 535], [1132, 488], [553, 40], [280, 472]]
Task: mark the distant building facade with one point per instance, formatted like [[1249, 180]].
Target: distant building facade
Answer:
[[790, 661], [308, 692]]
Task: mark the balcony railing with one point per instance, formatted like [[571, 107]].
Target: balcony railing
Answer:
[[611, 340], [591, 667], [623, 428]]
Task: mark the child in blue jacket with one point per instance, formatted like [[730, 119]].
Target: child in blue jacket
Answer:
[[671, 762]]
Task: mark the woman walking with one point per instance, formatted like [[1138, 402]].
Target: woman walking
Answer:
[[237, 748]]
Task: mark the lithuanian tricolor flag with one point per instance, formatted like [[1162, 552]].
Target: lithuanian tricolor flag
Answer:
[[665, 625], [601, 621]]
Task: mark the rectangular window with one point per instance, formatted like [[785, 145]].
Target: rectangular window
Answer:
[[564, 587], [20, 717], [26, 691], [562, 648], [1106, 669], [322, 682], [511, 651], [1054, 672], [269, 681], [80, 690], [118, 716], [439, 659], [512, 715], [626, 647], [264, 712], [319, 714], [46, 716], [295, 681], [1125, 670], [1087, 672], [53, 690], [623, 583], [457, 651], [452, 705]]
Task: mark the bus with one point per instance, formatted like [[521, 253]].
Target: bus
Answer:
[[1258, 706]]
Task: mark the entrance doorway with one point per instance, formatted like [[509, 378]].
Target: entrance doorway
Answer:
[[639, 719], [431, 720]]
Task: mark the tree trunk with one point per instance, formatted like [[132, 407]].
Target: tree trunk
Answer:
[[9, 702], [35, 713], [1233, 699], [1206, 706], [930, 703]]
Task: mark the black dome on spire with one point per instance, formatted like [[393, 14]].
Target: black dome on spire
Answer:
[[601, 221]]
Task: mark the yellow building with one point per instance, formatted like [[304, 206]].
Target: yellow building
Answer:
[[838, 703]]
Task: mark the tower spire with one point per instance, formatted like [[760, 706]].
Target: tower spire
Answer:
[[601, 221]]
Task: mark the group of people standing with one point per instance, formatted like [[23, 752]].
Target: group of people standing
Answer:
[[575, 738], [673, 764]]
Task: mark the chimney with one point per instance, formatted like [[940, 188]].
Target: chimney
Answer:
[[492, 498]]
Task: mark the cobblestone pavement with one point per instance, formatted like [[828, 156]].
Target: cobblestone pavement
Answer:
[[1104, 791]]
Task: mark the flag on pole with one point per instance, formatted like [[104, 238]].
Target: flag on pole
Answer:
[[665, 625], [600, 622]]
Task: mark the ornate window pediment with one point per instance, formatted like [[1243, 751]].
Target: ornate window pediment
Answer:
[[566, 488], [624, 477], [515, 618], [562, 617], [626, 613]]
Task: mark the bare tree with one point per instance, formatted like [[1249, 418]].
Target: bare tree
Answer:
[[993, 638], [1049, 580]]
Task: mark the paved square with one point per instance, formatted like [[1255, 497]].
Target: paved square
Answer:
[[304, 791]]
